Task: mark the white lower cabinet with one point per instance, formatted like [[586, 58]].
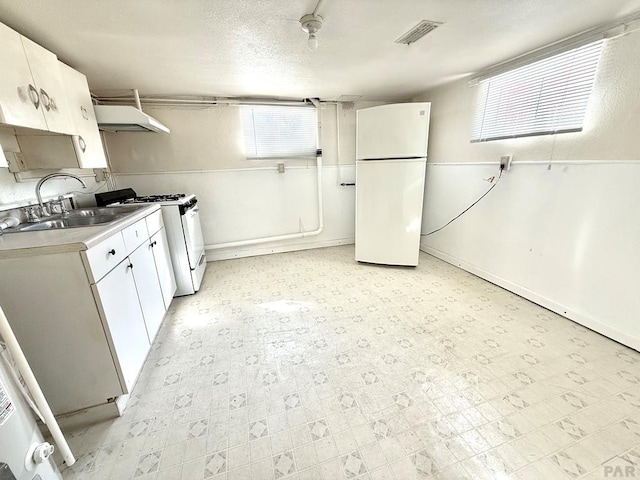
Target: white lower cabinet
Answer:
[[117, 298], [162, 258], [86, 318], [148, 288], [52, 310], [130, 296]]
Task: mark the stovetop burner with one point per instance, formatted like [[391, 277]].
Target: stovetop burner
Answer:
[[171, 197], [128, 195]]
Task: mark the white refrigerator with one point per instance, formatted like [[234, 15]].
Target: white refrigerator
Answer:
[[391, 156]]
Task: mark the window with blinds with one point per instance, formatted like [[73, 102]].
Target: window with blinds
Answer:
[[274, 131], [546, 97]]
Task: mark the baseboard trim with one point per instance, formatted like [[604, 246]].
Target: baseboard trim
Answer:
[[578, 317], [89, 416], [254, 251]]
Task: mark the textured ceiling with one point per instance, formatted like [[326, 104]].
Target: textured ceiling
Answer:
[[257, 48]]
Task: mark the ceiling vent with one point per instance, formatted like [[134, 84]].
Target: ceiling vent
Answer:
[[419, 31]]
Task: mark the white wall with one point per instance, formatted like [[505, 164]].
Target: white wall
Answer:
[[242, 199], [563, 226], [253, 203]]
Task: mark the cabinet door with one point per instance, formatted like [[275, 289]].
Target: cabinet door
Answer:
[[19, 99], [46, 75], [88, 144], [117, 298], [148, 287], [164, 267]]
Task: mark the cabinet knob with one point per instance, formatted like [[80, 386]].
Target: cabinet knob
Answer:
[[82, 143], [84, 112], [130, 266], [112, 251], [153, 244]]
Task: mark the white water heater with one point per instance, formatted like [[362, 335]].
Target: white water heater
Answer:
[[24, 455]]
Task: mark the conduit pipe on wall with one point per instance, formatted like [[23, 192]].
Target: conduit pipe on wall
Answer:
[[197, 102], [289, 236], [41, 402]]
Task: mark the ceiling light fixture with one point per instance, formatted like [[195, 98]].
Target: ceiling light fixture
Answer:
[[311, 23]]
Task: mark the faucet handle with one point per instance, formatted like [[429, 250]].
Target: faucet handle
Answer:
[[31, 214], [63, 206], [55, 206]]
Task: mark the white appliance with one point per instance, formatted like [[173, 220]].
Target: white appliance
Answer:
[[186, 244], [122, 118], [19, 435], [181, 217], [391, 156]]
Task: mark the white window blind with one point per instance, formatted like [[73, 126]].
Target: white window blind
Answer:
[[274, 131], [545, 97]]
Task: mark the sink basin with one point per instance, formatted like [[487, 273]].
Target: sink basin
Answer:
[[79, 217], [102, 211], [69, 222]]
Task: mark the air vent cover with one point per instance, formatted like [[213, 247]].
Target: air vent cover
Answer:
[[419, 31]]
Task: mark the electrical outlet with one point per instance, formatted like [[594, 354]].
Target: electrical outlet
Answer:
[[16, 162], [505, 162], [102, 174], [281, 168]]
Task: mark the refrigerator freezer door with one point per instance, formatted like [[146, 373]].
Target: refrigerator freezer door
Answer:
[[389, 196], [392, 131]]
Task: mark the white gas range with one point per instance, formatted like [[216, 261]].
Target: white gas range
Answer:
[[180, 214]]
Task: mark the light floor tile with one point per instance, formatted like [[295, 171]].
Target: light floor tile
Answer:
[[311, 366]]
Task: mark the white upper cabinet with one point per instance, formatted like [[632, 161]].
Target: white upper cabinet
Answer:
[[39, 96], [81, 150], [20, 102], [87, 142], [47, 79], [32, 93]]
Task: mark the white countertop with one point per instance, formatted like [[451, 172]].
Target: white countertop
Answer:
[[67, 239]]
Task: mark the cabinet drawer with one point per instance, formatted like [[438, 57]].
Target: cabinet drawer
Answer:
[[101, 258], [134, 235], [154, 222]]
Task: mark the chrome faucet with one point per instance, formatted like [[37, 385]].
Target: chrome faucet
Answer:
[[47, 177]]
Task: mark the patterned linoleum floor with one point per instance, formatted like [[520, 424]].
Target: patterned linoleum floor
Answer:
[[308, 365]]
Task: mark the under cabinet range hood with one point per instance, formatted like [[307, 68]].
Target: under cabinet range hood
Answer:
[[123, 118]]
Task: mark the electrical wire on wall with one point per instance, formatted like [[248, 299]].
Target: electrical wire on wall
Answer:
[[490, 179], [111, 181]]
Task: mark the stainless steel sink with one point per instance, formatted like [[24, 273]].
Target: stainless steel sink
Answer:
[[102, 211], [80, 217], [69, 222]]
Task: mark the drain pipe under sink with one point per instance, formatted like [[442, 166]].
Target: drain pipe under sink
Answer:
[[289, 236]]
